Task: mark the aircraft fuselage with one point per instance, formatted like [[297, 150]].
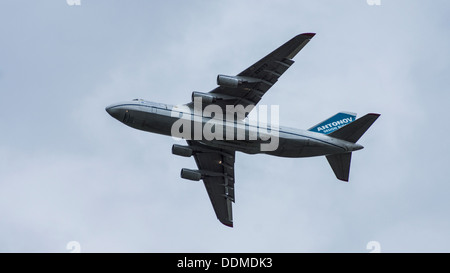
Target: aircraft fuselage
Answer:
[[287, 142]]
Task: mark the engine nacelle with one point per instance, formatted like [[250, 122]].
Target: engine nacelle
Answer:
[[228, 81], [206, 98], [181, 150], [194, 175], [234, 81]]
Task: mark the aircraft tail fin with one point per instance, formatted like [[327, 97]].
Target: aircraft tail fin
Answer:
[[333, 123], [340, 163]]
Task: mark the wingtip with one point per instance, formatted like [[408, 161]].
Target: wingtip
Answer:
[[228, 224], [310, 34]]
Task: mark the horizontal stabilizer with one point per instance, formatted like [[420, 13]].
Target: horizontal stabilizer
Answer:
[[356, 129], [334, 123], [340, 163]]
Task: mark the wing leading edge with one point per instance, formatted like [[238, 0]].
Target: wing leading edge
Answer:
[[264, 74]]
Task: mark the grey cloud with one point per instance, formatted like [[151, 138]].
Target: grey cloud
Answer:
[[70, 172]]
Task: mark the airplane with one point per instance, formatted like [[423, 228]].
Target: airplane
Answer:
[[335, 138]]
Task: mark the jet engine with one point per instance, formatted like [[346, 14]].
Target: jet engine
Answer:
[[206, 98], [234, 81], [228, 81], [194, 175], [181, 150]]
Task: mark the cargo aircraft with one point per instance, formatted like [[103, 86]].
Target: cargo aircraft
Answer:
[[335, 138]]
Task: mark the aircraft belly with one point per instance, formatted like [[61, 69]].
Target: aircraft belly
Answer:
[[151, 122], [245, 146], [303, 147], [289, 145]]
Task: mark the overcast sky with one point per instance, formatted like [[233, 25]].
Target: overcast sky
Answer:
[[70, 172]]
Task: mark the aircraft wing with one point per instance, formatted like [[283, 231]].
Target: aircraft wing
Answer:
[[256, 80], [217, 167]]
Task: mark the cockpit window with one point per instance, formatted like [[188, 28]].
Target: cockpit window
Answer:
[[154, 104]]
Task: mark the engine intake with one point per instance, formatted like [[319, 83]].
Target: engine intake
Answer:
[[194, 175], [181, 150]]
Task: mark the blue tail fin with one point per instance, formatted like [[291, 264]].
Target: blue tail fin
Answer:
[[332, 124]]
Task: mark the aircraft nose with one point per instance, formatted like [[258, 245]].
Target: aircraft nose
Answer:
[[113, 111]]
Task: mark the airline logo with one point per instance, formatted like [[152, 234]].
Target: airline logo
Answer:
[[334, 123], [333, 126]]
